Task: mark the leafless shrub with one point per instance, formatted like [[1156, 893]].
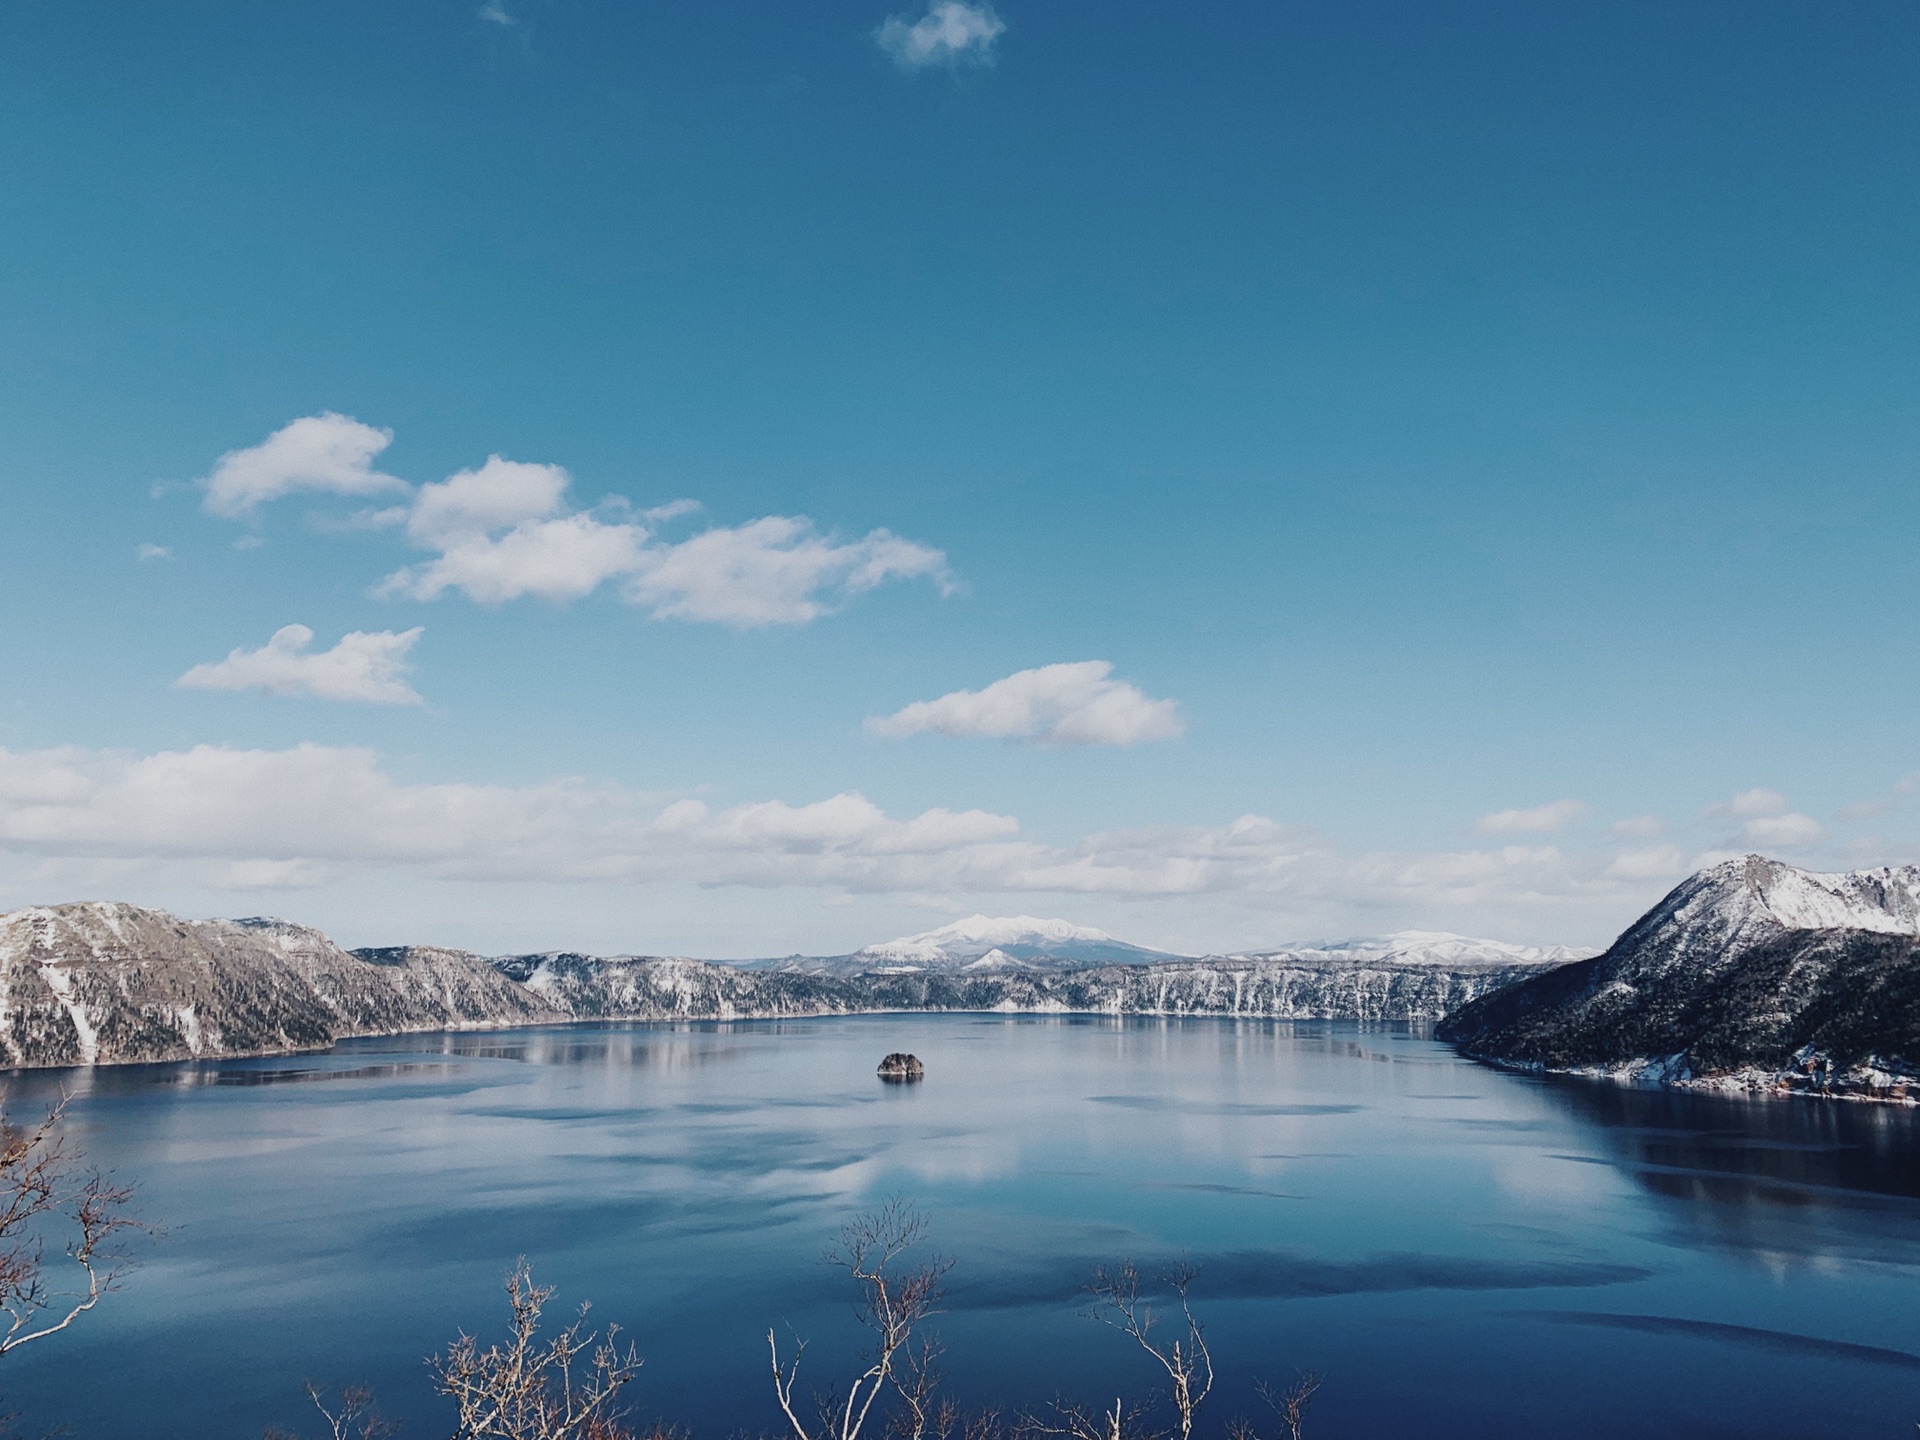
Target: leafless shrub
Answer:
[[1291, 1404], [563, 1388], [1186, 1359], [46, 1188], [1126, 1420], [950, 1422], [355, 1419], [893, 1303]]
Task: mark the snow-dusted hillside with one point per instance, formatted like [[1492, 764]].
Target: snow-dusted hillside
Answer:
[[1750, 973], [1044, 944], [1427, 947], [103, 982]]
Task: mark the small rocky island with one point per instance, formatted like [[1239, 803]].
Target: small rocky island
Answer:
[[900, 1069]]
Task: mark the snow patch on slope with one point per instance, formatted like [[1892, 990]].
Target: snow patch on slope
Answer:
[[1886, 899]]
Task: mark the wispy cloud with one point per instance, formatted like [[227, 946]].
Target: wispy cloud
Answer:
[[775, 571], [1652, 862], [153, 552], [1768, 821], [310, 814], [1639, 826], [508, 530], [369, 668], [328, 453], [494, 12], [1784, 832], [1070, 704], [1540, 820], [1758, 802], [950, 33]]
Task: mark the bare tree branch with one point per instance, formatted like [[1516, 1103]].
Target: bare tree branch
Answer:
[[892, 1304], [45, 1185]]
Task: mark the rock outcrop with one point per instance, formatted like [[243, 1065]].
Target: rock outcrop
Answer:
[[1749, 975]]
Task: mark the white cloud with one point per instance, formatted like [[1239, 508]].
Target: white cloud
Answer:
[[1783, 831], [505, 531], [496, 13], [365, 667], [774, 571], [1540, 820], [950, 33], [473, 503], [1652, 862], [1758, 802], [1640, 826], [1069, 704], [302, 815], [318, 805], [561, 559], [327, 452], [153, 552], [672, 510]]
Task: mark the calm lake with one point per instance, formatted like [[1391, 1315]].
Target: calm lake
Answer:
[[1461, 1252]]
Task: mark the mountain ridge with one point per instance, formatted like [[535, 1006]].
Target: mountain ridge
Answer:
[[1749, 975], [103, 982]]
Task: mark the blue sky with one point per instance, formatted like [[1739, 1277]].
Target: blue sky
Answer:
[[1479, 439]]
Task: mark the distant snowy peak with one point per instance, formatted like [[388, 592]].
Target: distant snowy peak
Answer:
[[1428, 947], [987, 942], [987, 931]]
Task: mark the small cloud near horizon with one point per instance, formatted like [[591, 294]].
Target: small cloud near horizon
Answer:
[[1539, 820], [1640, 826]]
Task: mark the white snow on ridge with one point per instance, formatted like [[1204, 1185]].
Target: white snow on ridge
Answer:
[[1428, 947], [977, 935], [992, 930], [1886, 899]]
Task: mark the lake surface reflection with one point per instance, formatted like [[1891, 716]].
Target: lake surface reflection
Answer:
[[1462, 1252]]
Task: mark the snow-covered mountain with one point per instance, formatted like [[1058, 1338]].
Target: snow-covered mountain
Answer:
[[1043, 944], [1751, 974], [100, 982], [1022, 942], [1427, 947]]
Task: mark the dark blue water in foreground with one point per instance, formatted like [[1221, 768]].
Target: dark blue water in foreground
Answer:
[[1463, 1253]]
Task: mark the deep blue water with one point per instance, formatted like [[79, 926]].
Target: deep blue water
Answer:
[[1462, 1252]]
